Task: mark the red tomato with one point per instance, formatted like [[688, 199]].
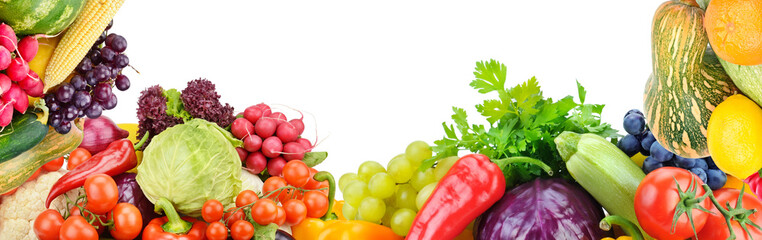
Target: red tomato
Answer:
[[231, 217], [273, 184], [288, 194], [296, 211], [313, 184], [47, 225], [212, 210], [656, 199], [242, 230], [77, 157], [53, 165], [77, 228], [264, 211], [296, 173], [715, 227], [34, 175], [280, 216], [317, 204], [102, 193], [246, 197], [216, 231], [127, 222]]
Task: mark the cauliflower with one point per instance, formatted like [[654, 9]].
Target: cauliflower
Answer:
[[19, 210]]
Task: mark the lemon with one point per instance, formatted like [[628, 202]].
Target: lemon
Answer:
[[734, 136]]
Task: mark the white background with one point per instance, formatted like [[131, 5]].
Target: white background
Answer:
[[379, 75]]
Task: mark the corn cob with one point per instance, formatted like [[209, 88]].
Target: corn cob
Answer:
[[78, 39]]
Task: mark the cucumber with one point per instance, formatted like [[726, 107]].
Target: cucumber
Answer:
[[17, 170], [24, 132], [747, 78], [603, 170]]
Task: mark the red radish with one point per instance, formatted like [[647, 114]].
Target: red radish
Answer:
[[298, 124], [242, 153], [17, 70], [272, 146], [265, 109], [28, 47], [30, 81], [275, 166], [305, 143], [8, 37], [279, 117], [241, 127], [252, 143], [36, 91], [252, 113], [265, 127], [5, 58], [293, 151], [6, 113], [17, 97], [256, 162], [287, 133], [5, 83]]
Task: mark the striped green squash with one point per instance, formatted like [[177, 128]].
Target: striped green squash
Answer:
[[688, 80], [747, 78], [49, 17]]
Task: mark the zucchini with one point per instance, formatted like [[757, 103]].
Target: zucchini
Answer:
[[26, 131], [17, 170], [747, 78], [603, 170]]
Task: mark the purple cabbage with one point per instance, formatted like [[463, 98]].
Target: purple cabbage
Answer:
[[542, 209], [130, 192]]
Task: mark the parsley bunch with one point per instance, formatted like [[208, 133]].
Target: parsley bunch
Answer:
[[521, 123]]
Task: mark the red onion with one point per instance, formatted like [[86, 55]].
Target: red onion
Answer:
[[99, 133]]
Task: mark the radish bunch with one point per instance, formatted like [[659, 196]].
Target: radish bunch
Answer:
[[17, 81], [269, 139]]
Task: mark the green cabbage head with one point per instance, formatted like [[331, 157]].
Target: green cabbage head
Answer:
[[190, 163]]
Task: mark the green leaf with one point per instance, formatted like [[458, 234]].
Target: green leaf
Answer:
[[175, 106], [581, 93], [312, 159], [265, 232], [490, 76], [703, 3], [492, 109]]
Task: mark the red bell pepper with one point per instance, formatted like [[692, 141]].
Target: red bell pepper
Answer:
[[172, 227], [468, 189], [117, 158]]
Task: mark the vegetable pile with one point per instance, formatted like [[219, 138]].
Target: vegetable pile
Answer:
[[688, 165]]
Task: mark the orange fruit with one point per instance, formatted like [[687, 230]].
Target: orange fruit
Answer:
[[734, 28]]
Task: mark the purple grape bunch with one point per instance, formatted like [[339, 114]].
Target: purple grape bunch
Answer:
[[90, 90]]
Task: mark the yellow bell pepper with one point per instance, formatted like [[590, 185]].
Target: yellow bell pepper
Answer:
[[132, 128], [316, 229], [44, 52], [736, 183]]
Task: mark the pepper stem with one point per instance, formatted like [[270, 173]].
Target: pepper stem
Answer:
[[174, 224], [142, 141], [629, 228], [326, 176]]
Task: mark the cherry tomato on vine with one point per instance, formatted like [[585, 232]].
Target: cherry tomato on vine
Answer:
[[102, 193], [296, 211], [77, 228], [34, 175], [657, 198], [97, 224], [245, 197], [231, 217], [323, 185], [77, 157], [317, 204], [47, 225], [264, 211], [242, 230], [716, 228], [216, 231], [53, 165], [273, 184], [280, 216], [212, 210], [296, 173], [290, 193], [127, 222]]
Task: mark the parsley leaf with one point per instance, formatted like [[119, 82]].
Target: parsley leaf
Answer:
[[522, 123]]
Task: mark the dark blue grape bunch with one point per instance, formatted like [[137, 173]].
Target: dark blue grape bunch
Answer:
[[640, 140], [89, 92]]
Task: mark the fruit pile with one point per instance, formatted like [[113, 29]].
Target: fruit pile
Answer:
[[640, 140], [17, 82], [269, 139], [89, 91]]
